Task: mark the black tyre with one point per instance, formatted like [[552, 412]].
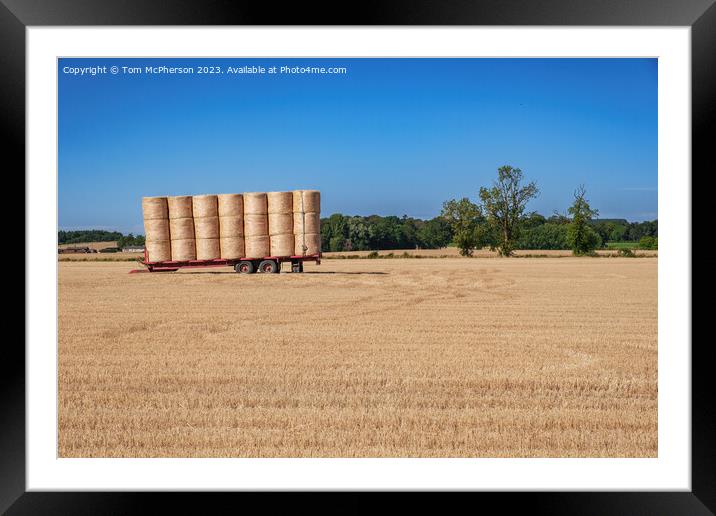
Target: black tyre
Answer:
[[245, 267], [268, 266]]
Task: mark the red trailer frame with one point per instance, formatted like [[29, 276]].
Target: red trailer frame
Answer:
[[242, 265]]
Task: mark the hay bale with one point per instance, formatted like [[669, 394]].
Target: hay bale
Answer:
[[255, 225], [308, 243], [280, 223], [256, 246], [180, 207], [231, 227], [255, 203], [306, 201], [183, 249], [232, 247], [205, 206], [158, 251], [208, 249], [279, 202], [306, 223], [281, 245], [155, 208], [206, 227], [231, 205], [182, 229], [156, 230]]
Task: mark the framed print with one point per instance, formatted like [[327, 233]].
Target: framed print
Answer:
[[415, 250]]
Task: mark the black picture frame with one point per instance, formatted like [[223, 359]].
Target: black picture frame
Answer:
[[700, 15]]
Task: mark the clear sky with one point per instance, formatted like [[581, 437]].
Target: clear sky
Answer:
[[389, 137]]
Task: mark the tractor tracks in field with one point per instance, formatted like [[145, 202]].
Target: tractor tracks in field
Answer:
[[378, 299]]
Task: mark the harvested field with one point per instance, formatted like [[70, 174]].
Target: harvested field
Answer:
[[361, 358], [91, 245], [447, 252]]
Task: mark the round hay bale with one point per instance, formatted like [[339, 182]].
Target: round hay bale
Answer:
[[230, 227], [255, 225], [255, 203], [183, 249], [180, 207], [205, 206], [159, 251], [231, 205], [280, 223], [256, 247], [206, 227], [155, 208], [182, 229], [281, 245], [307, 201], [207, 249], [310, 243], [279, 202], [156, 230], [306, 223], [232, 247]]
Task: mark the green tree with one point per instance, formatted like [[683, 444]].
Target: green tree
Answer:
[[648, 242], [546, 236], [435, 233], [465, 220], [581, 238], [504, 203], [358, 233]]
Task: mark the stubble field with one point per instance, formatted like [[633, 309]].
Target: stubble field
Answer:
[[361, 358]]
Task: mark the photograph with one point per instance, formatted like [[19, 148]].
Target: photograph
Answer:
[[357, 257]]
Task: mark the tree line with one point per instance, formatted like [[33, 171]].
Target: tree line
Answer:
[[498, 221], [99, 235]]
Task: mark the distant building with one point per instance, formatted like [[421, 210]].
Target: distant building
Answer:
[[133, 249]]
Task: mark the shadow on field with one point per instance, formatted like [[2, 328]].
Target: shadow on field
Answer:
[[313, 272], [336, 272]]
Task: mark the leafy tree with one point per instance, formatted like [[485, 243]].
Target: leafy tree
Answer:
[[359, 233], [648, 242], [558, 218], [435, 233], [504, 203], [464, 217], [580, 235], [546, 236], [533, 220]]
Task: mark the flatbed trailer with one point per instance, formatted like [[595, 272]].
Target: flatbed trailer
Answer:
[[267, 264]]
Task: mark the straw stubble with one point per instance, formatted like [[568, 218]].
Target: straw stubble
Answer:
[[456, 357]]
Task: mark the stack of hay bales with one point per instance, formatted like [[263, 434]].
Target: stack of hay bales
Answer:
[[206, 226], [307, 222], [256, 237], [280, 223], [156, 229], [181, 228], [231, 226]]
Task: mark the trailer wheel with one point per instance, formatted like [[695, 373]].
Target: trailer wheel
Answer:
[[245, 267], [269, 266]]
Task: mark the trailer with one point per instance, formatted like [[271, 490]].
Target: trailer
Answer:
[[267, 264]]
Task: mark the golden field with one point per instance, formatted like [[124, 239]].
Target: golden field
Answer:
[[361, 358], [446, 252]]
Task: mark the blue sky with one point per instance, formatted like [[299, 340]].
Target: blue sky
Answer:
[[389, 137]]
